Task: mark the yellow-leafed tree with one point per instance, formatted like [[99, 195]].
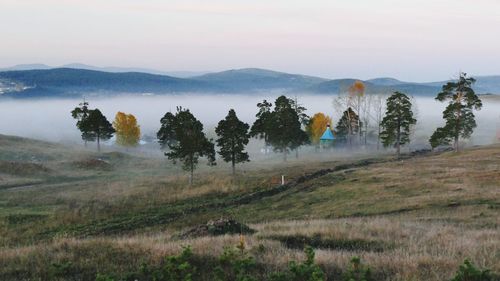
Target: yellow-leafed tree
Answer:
[[128, 132], [357, 89], [317, 126]]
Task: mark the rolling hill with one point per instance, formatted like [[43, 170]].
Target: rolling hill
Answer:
[[73, 82], [255, 79], [68, 82]]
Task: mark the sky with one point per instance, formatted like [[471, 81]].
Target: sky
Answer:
[[424, 40]]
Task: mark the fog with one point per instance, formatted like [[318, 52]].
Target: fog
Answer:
[[51, 119]]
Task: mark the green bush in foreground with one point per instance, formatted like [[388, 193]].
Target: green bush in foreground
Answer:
[[236, 264], [468, 272], [358, 272], [307, 271], [233, 265]]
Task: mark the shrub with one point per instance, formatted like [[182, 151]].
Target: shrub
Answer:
[[468, 272], [357, 271], [103, 277], [235, 266], [307, 271], [178, 268]]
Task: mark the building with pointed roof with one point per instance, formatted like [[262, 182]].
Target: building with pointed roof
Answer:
[[327, 138]]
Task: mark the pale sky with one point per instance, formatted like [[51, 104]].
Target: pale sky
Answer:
[[424, 40]]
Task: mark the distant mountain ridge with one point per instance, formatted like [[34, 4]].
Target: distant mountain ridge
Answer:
[[74, 82], [39, 66]]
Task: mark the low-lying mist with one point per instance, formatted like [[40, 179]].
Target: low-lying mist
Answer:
[[51, 120]]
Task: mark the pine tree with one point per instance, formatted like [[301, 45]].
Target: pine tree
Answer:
[[286, 133], [233, 137], [128, 132], [397, 121], [183, 134], [304, 119], [166, 134], [458, 115], [80, 113], [97, 126], [348, 126], [263, 123]]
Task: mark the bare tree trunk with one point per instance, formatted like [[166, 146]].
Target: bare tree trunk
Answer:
[[457, 133], [366, 131], [191, 176], [98, 143], [378, 137], [398, 141], [297, 153], [233, 164]]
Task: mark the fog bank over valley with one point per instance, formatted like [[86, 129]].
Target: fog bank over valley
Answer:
[[50, 119]]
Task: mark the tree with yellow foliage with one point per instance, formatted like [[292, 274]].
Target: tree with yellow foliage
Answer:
[[128, 132], [317, 126], [357, 95]]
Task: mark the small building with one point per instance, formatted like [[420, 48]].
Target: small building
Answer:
[[327, 138]]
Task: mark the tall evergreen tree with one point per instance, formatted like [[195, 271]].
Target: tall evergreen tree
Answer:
[[348, 126], [97, 126], [183, 134], [166, 134], [397, 121], [286, 133], [233, 137], [303, 118], [458, 115], [262, 125], [80, 113]]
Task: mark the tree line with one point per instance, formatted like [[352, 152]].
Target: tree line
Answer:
[[284, 126]]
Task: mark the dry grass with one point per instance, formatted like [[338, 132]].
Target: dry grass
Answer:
[[422, 251], [430, 213]]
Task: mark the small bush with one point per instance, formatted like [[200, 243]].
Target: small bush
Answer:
[[468, 272], [357, 271], [103, 277], [178, 268], [307, 271], [235, 266]]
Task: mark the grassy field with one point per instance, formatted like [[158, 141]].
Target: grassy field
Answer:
[[67, 213]]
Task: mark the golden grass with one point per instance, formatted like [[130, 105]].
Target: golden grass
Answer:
[[422, 251], [433, 211]]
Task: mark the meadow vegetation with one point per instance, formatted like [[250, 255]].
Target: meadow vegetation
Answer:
[[73, 214]]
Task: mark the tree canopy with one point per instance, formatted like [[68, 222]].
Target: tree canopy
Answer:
[[233, 137], [183, 135], [286, 133], [97, 127], [348, 126], [128, 132], [263, 122], [317, 126], [459, 116], [397, 121], [80, 113]]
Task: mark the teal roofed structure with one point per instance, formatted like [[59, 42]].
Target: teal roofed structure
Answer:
[[327, 135], [327, 139]]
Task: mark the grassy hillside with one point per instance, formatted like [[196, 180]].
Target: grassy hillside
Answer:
[[412, 219]]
